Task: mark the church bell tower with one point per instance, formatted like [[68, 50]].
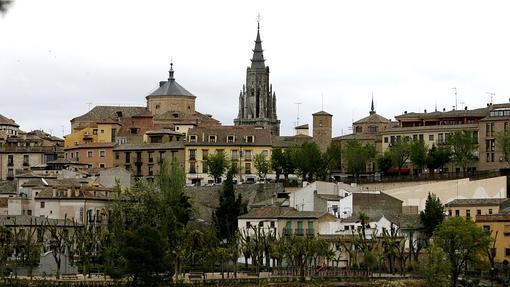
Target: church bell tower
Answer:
[[257, 100]]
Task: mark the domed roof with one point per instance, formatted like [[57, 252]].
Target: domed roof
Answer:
[[170, 87]]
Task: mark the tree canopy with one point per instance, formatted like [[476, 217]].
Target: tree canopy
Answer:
[[432, 215], [463, 148], [503, 144], [357, 156], [262, 164], [217, 164], [225, 216]]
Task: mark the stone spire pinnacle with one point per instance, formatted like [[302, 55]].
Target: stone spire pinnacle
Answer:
[[372, 109], [257, 61], [171, 72]]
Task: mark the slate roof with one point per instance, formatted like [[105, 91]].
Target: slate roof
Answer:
[[7, 121], [101, 113], [280, 213], [477, 202], [170, 87]]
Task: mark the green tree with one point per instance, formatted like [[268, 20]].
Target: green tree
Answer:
[[357, 156], [437, 157], [383, 162], [436, 269], [225, 216], [503, 144], [463, 147], [418, 154], [334, 157], [400, 151], [288, 164], [144, 249], [308, 160], [433, 214], [277, 162], [262, 165], [463, 242], [217, 164]]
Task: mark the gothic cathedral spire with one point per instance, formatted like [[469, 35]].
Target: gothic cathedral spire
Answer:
[[257, 101]]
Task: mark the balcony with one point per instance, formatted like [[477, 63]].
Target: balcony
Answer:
[[299, 232]]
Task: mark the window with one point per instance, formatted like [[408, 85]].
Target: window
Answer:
[[250, 139], [133, 131], [205, 167], [506, 230], [10, 160], [150, 170], [234, 154], [265, 153], [487, 228], [457, 212], [415, 137], [392, 139], [420, 137], [507, 251], [478, 212], [440, 139], [128, 157], [385, 139], [102, 131], [272, 224], [42, 204], [117, 155], [212, 139], [247, 154], [468, 213], [247, 168], [372, 129], [161, 156], [94, 131], [248, 224], [102, 165], [205, 154], [449, 212], [231, 139], [101, 153], [490, 210], [25, 159], [192, 138], [358, 129], [299, 228], [431, 137], [192, 154], [192, 167]]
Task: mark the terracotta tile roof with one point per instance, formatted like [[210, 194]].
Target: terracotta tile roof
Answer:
[[480, 112], [6, 121], [271, 212], [372, 119], [91, 145], [290, 141], [101, 113], [477, 202]]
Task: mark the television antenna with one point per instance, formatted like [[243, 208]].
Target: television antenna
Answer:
[[492, 94], [455, 92], [297, 117]]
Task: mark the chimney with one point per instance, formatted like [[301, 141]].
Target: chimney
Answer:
[[465, 108], [425, 110], [161, 83], [405, 112], [444, 109]]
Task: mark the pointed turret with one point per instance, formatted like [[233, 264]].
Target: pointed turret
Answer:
[[372, 109], [171, 72], [257, 61]]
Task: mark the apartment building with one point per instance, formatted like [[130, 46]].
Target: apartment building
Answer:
[[469, 208]]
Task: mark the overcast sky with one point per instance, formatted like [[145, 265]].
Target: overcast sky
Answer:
[[58, 56]]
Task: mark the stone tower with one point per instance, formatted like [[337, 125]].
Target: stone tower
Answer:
[[257, 101], [322, 129]]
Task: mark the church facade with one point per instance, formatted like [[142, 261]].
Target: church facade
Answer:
[[257, 100]]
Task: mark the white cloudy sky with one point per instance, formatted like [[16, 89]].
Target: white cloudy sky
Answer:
[[58, 56]]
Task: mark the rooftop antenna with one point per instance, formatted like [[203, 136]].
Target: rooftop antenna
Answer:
[[492, 94], [63, 132], [455, 91], [322, 101], [297, 118], [90, 105]]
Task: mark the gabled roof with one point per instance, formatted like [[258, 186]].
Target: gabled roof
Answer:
[[322, 113]]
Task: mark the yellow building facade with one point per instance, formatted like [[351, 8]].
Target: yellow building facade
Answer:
[[239, 143]]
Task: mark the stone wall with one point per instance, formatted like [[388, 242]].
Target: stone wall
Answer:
[[206, 198]]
